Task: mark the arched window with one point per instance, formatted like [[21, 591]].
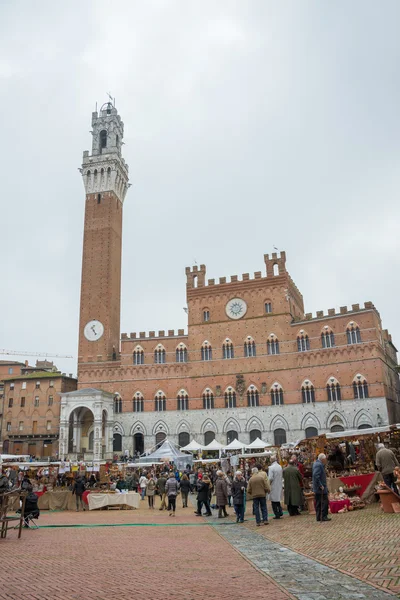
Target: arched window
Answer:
[[253, 398], [360, 387], [138, 403], [307, 392], [272, 344], [138, 443], [117, 442], [227, 349], [159, 355], [182, 401], [275, 269], [303, 343], [364, 426], [327, 338], [160, 437], [117, 140], [254, 434], [276, 394], [91, 441], [117, 404], [138, 356], [160, 402], [231, 435], [353, 334], [206, 315], [268, 307], [279, 437], [206, 351], [337, 428], [230, 398], [249, 347], [311, 432], [103, 140], [208, 399], [183, 439], [209, 437], [181, 353], [333, 390]]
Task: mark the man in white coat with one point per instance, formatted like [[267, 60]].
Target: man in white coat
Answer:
[[275, 478]]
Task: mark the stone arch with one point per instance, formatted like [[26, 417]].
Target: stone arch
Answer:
[[118, 428], [362, 418], [336, 418], [310, 420], [160, 426], [183, 426], [231, 423], [209, 425], [254, 423], [279, 422], [138, 427]]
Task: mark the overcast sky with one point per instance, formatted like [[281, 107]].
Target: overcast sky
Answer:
[[247, 125]]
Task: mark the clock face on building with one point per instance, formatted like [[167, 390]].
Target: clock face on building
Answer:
[[93, 330], [236, 308]]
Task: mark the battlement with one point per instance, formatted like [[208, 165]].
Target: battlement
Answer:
[[343, 310], [275, 265], [152, 334]]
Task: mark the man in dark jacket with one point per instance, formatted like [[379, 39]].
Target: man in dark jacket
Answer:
[[78, 489], [203, 487], [293, 492], [320, 488], [239, 486]]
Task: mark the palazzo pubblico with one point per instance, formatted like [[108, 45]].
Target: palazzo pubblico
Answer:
[[251, 364]]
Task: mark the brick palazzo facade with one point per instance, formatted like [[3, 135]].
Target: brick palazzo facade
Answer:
[[252, 363]]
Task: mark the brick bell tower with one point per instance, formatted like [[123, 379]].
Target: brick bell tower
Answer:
[[105, 177]]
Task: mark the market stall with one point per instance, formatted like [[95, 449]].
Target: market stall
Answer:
[[104, 500]]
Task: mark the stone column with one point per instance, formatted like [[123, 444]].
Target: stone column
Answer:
[[63, 440], [97, 442], [109, 438]]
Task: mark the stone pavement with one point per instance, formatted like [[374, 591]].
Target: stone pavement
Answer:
[[363, 543], [120, 554]]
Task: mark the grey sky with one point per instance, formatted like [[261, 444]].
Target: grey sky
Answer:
[[247, 125]]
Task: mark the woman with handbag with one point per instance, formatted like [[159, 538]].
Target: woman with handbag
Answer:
[[171, 489]]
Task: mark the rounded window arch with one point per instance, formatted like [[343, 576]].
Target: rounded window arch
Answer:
[[253, 397], [230, 397], [117, 403], [160, 437], [307, 392], [183, 439], [103, 140], [228, 349], [279, 436], [250, 348], [182, 400], [353, 333], [208, 399], [117, 442], [138, 442], [360, 387], [138, 402], [181, 353], [160, 401], [311, 432], [303, 341], [206, 351], [333, 391], [231, 435], [272, 344], [276, 394], [138, 356], [327, 337], [267, 306], [91, 441], [209, 437], [160, 355], [254, 434]]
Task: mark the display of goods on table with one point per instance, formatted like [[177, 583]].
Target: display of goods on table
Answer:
[[340, 502]]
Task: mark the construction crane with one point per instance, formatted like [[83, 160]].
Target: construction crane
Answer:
[[23, 353]]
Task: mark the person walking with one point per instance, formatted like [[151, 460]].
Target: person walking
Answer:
[[239, 486], [161, 481], [293, 494], [143, 484], [171, 489], [221, 492], [258, 488], [386, 463], [185, 489], [275, 475], [320, 488], [150, 490], [229, 481], [78, 489], [203, 490]]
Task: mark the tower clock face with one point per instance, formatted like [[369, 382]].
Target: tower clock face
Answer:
[[236, 308], [93, 330]]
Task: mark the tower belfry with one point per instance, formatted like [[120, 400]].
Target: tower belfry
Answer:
[[105, 177]]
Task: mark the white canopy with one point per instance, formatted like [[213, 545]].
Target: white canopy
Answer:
[[13, 456], [257, 445], [192, 447], [235, 445], [214, 445]]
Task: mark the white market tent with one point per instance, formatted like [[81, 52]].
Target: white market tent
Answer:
[[5, 457], [235, 445], [360, 432], [165, 453], [257, 445], [214, 445], [192, 447]]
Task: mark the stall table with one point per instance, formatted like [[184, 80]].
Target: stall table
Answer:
[[98, 500], [336, 505]]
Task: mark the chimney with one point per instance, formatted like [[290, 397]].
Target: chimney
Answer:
[[26, 363]]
